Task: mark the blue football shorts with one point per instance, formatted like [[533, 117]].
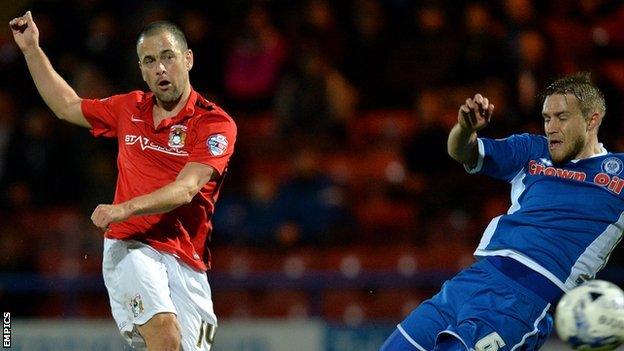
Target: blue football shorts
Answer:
[[479, 309]]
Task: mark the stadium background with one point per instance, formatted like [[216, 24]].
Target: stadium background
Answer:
[[341, 210]]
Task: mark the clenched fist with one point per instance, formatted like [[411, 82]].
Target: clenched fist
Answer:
[[475, 114], [103, 215], [25, 32]]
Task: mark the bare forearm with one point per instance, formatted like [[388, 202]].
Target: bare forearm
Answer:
[[180, 192], [54, 90], [462, 145], [163, 200]]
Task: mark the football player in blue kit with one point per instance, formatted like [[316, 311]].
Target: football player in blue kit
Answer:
[[566, 217]]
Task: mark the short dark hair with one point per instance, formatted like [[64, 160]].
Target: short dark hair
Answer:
[[579, 84], [166, 26]]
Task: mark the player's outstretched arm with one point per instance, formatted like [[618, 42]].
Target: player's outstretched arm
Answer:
[[177, 193], [472, 116], [54, 90]]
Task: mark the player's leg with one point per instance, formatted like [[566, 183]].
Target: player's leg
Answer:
[[449, 342], [433, 325], [161, 332], [495, 332], [420, 329], [501, 316], [400, 341], [138, 287], [191, 295]]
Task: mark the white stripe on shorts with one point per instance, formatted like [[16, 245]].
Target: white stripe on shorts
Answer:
[[409, 338], [535, 329]]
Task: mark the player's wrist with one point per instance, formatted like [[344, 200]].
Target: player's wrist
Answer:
[[129, 208], [31, 51], [466, 131]]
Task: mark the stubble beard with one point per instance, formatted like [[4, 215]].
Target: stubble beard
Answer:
[[574, 150], [168, 96]]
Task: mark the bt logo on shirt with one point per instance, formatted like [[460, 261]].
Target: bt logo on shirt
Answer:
[[146, 144]]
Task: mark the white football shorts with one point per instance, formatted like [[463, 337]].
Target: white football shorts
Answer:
[[142, 282]]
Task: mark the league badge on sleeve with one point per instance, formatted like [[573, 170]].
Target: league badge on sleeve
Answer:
[[177, 135], [217, 143]]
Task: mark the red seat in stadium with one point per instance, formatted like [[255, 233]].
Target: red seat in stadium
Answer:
[[242, 261], [448, 256], [297, 262], [346, 306], [348, 261], [233, 303], [280, 303], [257, 128], [94, 305], [379, 215], [395, 304], [382, 124]]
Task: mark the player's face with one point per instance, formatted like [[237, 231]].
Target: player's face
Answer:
[[164, 66], [565, 127]]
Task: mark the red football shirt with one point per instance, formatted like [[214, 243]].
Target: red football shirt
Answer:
[[150, 158]]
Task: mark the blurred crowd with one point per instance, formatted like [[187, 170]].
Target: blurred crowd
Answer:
[[343, 110]]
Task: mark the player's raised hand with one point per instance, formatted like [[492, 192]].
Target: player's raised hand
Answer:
[[25, 32], [103, 215], [475, 114]]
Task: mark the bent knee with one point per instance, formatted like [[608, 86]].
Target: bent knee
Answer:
[[161, 332]]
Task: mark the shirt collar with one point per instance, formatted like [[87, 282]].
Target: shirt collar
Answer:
[[602, 152], [147, 106]]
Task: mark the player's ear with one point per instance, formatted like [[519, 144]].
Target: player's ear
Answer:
[[593, 122], [188, 57]]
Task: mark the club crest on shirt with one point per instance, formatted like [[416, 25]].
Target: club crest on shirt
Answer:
[[136, 305], [217, 143], [612, 165], [177, 135]]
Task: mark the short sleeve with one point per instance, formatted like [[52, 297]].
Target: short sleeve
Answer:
[[504, 158], [102, 114], [215, 136]]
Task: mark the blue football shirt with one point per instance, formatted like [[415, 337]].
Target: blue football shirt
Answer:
[[565, 219]]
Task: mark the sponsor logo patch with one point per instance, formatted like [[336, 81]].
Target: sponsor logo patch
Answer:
[[217, 143]]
